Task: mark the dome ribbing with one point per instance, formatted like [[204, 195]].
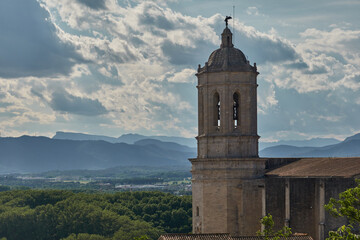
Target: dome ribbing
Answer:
[[227, 58]]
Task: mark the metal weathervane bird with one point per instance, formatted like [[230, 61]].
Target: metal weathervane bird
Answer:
[[227, 19]]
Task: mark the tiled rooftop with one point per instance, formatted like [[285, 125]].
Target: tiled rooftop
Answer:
[[217, 236], [224, 236], [319, 167]]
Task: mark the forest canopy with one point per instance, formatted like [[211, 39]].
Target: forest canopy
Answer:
[[59, 214]]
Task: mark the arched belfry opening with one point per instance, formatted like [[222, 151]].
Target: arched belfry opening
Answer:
[[236, 110]]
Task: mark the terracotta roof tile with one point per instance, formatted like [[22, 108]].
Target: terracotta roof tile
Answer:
[[223, 236], [294, 237], [319, 167], [217, 236]]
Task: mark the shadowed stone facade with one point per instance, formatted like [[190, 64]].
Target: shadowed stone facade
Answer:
[[232, 187]]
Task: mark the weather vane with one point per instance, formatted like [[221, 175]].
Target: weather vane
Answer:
[[227, 19]]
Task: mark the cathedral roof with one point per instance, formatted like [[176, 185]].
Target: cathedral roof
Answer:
[[319, 168], [184, 236], [227, 58]]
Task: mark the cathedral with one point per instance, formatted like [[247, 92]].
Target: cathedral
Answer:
[[232, 188]]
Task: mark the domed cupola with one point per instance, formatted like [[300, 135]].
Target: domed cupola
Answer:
[[227, 58]]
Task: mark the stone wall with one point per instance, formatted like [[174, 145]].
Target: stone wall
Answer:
[[275, 200], [307, 197], [229, 194], [227, 139], [302, 206], [334, 186]]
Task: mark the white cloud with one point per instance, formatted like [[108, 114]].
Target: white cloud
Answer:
[[252, 11], [187, 75], [330, 61], [330, 118], [136, 62], [266, 98]]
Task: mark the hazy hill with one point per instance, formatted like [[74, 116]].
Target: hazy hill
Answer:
[[126, 138], [350, 147], [354, 137], [82, 137], [313, 142], [165, 145], [190, 142], [82, 151], [37, 154]]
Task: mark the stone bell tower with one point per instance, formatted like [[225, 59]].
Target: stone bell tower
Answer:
[[227, 175]]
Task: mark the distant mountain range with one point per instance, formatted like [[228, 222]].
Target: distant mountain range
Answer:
[[350, 147], [37, 154], [190, 142], [69, 151], [313, 142], [126, 138]]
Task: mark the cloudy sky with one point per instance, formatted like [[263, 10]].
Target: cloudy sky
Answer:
[[111, 67]]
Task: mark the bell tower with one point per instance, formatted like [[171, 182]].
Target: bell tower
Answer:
[[227, 104], [227, 175]]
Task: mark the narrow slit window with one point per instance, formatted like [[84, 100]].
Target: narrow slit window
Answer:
[[218, 113], [197, 211], [217, 109], [236, 109]]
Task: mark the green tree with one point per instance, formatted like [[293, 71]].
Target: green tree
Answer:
[[54, 214], [3, 189], [142, 238], [137, 229], [269, 233], [348, 206], [85, 236]]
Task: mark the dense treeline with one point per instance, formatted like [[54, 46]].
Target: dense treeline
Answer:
[[58, 214]]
